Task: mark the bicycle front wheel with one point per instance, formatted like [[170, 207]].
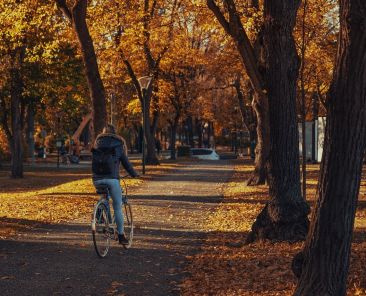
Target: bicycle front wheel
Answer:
[[101, 230], [128, 223]]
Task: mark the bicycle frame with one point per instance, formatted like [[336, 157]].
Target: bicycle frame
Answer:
[[110, 231]]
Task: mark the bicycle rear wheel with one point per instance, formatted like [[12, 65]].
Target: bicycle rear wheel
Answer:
[[101, 230], [128, 223]]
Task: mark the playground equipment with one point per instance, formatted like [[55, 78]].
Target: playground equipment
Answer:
[[86, 132], [83, 138]]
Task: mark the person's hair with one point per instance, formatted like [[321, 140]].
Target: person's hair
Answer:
[[109, 129]]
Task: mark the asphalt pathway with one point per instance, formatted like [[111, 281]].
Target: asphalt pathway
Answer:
[[170, 212]]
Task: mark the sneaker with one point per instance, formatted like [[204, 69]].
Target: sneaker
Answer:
[[122, 239]]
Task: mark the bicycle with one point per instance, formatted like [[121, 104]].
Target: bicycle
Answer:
[[103, 225]]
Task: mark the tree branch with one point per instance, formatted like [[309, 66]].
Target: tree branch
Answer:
[[79, 9], [153, 6], [146, 44], [133, 76], [61, 4], [219, 15]]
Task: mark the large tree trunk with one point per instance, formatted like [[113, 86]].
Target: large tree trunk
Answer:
[[324, 262], [77, 16], [284, 218], [16, 125]]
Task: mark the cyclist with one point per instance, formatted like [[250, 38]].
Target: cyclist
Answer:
[[108, 153]]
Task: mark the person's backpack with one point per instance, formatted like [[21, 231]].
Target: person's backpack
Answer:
[[103, 161]]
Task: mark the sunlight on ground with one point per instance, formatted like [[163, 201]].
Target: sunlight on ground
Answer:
[[50, 195], [64, 202]]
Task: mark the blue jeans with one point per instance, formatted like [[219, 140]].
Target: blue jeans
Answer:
[[116, 194]]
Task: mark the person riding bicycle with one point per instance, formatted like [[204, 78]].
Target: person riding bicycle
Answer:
[[108, 153]]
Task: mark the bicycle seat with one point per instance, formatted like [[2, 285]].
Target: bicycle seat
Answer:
[[102, 189]]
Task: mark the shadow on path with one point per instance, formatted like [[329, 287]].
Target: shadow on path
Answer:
[[170, 213]]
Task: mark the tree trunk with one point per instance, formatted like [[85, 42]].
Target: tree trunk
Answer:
[[323, 265], [284, 218], [315, 110], [77, 17], [154, 126], [199, 132], [16, 125], [303, 100], [250, 59], [173, 138], [30, 130], [259, 175], [190, 131], [151, 157]]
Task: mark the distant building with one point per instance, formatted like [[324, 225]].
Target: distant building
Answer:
[[314, 131]]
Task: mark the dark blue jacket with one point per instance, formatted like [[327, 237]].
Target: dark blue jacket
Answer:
[[114, 141]]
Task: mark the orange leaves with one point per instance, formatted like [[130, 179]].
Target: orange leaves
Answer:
[[226, 266]]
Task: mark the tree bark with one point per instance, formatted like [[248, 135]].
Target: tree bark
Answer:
[[284, 218], [16, 125], [173, 137], [151, 157], [315, 111], [199, 132], [259, 176], [303, 99], [324, 262], [77, 17], [30, 129], [190, 131]]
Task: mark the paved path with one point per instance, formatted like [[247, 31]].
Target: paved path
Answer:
[[60, 259]]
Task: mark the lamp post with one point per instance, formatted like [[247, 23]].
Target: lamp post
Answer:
[[145, 83], [113, 107], [57, 135]]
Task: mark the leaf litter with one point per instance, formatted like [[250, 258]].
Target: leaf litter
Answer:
[[225, 266]]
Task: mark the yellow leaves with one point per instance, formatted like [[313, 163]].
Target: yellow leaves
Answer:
[[65, 202], [134, 106]]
